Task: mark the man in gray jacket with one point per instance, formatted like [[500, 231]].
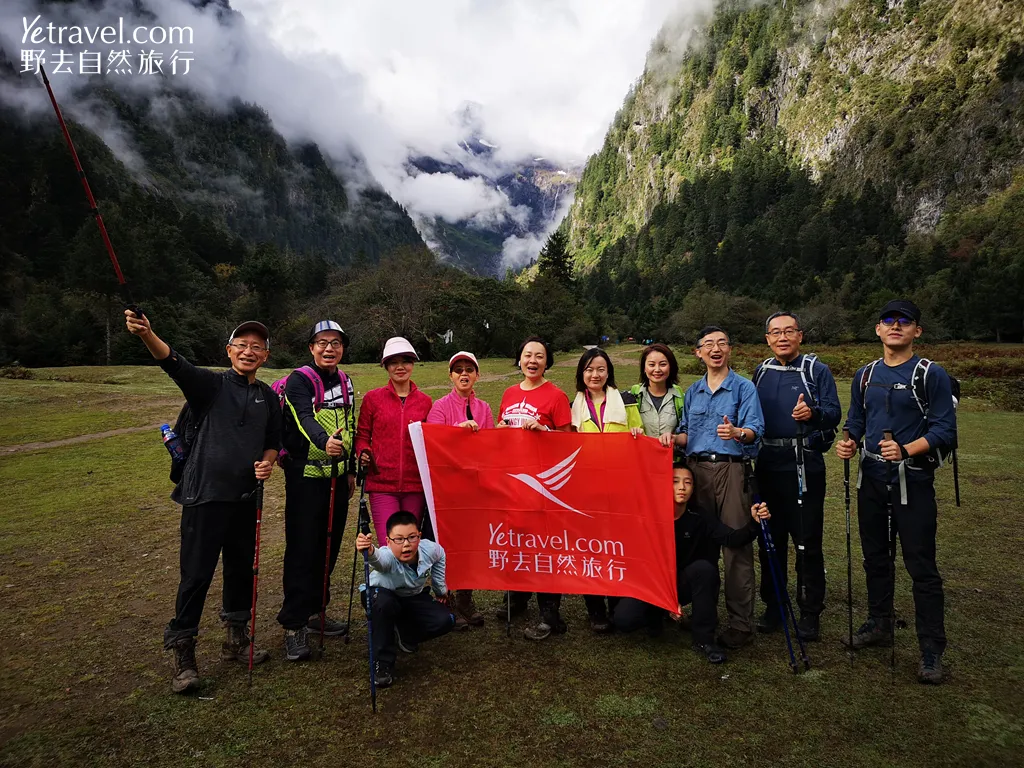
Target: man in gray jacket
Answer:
[[237, 425]]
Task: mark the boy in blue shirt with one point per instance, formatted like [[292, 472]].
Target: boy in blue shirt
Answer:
[[404, 614], [900, 472]]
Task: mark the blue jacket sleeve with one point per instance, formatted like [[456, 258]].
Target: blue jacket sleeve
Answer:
[[437, 573], [828, 412], [749, 413], [855, 416], [941, 430]]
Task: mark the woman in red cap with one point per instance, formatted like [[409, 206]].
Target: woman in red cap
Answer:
[[382, 438], [462, 408]]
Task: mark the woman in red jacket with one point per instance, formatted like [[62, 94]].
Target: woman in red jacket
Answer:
[[382, 438]]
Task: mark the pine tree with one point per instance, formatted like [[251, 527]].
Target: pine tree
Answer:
[[553, 260]]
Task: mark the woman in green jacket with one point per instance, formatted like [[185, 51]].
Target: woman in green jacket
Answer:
[[600, 408], [658, 396]]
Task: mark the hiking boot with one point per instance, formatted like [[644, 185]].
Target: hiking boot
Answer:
[[712, 652], [383, 675], [734, 639], [332, 627], [465, 609], [871, 632], [236, 646], [296, 644], [929, 671], [809, 627], [770, 620], [550, 624], [405, 645], [519, 606], [600, 625], [186, 674]]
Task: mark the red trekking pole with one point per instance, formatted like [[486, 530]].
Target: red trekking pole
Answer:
[[255, 575], [93, 208], [327, 555]]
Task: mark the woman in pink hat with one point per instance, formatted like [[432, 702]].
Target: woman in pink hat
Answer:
[[382, 441], [462, 408]]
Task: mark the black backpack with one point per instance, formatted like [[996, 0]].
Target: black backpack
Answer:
[[187, 428], [919, 391]]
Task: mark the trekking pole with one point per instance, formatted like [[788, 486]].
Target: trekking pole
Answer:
[[887, 435], [364, 528], [327, 554], [849, 550], [956, 478], [801, 545], [126, 291], [255, 575], [360, 479]]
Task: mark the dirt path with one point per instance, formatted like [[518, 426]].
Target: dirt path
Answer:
[[4, 449]]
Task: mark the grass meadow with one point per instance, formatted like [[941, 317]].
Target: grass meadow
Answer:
[[88, 571]]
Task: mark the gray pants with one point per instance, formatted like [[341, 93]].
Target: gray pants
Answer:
[[719, 488]]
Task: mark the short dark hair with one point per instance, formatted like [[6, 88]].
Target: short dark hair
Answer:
[[585, 360], [402, 518], [781, 313], [709, 329], [549, 359], [680, 463], [673, 366]]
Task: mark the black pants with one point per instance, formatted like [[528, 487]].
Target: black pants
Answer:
[[305, 531], [915, 525], [549, 603], [600, 607], [779, 492], [418, 618], [699, 585], [206, 530]]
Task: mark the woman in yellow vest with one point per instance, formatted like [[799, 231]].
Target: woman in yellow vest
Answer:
[[600, 407]]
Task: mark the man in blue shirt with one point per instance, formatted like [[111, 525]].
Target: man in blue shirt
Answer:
[[800, 403], [719, 428], [900, 472]]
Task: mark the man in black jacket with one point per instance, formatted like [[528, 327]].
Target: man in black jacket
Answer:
[[318, 433], [700, 536], [238, 435]]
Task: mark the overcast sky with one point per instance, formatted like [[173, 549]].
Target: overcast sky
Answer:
[[394, 77]]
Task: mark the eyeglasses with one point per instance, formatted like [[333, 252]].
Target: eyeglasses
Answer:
[[789, 333], [464, 369], [332, 343], [241, 347], [400, 540], [902, 322], [718, 344]]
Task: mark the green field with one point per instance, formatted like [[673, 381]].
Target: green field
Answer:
[[88, 571]]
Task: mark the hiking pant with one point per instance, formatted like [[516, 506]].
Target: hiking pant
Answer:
[[779, 492], [418, 618], [720, 486], [915, 525], [305, 533], [384, 505], [600, 607], [206, 531], [698, 585]]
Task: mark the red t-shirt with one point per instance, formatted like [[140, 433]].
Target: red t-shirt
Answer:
[[547, 404]]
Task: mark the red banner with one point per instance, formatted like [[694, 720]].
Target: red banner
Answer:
[[551, 511]]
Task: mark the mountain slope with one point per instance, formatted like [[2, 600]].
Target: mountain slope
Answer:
[[816, 156]]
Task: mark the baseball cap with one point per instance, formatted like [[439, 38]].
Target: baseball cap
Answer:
[[464, 356], [251, 326], [328, 325], [901, 307], [397, 345]]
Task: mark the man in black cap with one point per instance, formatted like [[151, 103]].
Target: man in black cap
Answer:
[[237, 428], [319, 426], [911, 398]]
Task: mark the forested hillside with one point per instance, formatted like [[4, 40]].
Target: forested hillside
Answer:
[[821, 157]]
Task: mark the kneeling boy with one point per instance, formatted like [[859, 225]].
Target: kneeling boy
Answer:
[[404, 614], [700, 535]]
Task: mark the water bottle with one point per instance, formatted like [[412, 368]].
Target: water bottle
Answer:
[[173, 443]]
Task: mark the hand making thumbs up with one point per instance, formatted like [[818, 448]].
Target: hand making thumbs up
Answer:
[[726, 431], [802, 411]]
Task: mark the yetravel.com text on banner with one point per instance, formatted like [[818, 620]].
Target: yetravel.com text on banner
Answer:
[[551, 511]]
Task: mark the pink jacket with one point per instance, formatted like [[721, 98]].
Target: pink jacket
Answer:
[[383, 429], [451, 410]]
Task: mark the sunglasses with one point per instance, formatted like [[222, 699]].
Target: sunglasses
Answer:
[[902, 322]]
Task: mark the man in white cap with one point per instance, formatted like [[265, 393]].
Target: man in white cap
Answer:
[[319, 427], [233, 430], [462, 408]]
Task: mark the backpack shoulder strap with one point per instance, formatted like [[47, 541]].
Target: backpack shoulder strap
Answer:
[[759, 371], [318, 385], [918, 380], [807, 377], [865, 379], [347, 391]]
